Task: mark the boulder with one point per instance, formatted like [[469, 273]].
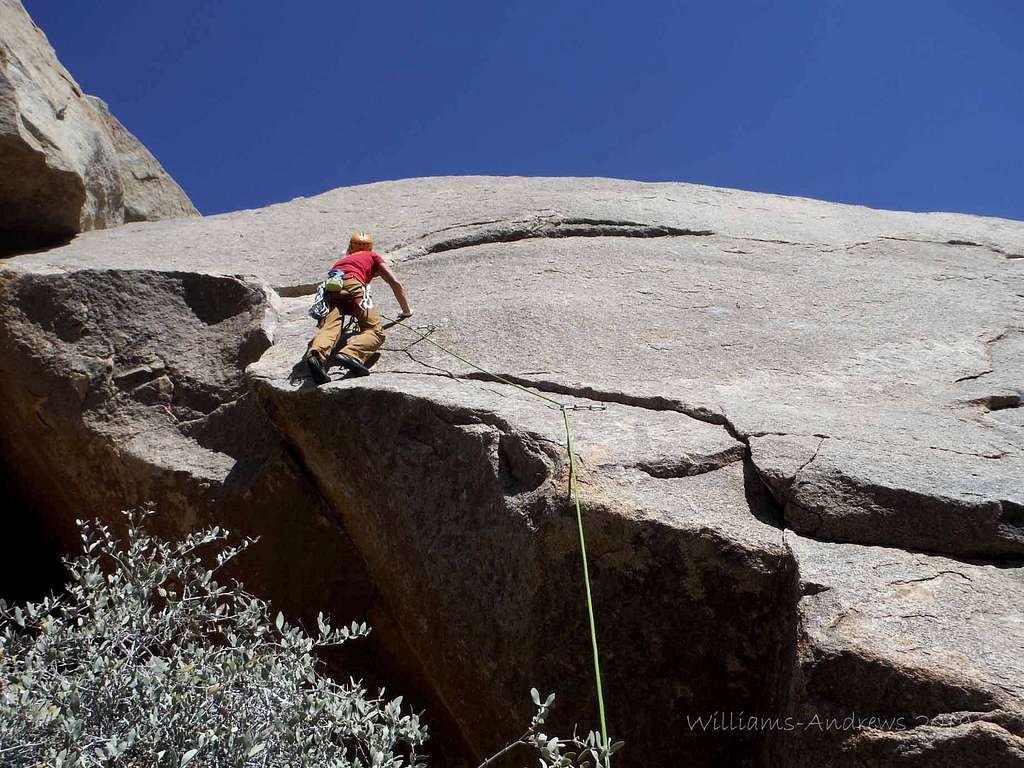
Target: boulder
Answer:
[[66, 166], [149, 191], [795, 422], [905, 659], [58, 166], [939, 500]]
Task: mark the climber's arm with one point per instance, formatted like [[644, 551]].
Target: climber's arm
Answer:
[[389, 277]]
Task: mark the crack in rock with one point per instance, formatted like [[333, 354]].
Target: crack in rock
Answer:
[[973, 376], [956, 242], [515, 231], [992, 456], [934, 576], [550, 228], [683, 465], [649, 402], [827, 501]]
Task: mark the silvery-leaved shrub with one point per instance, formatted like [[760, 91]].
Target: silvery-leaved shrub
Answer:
[[148, 660], [591, 751]]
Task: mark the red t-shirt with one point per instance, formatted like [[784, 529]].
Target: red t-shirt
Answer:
[[362, 265]]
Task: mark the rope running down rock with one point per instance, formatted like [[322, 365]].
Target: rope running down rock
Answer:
[[564, 408]]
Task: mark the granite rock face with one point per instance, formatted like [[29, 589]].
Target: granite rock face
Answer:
[[149, 191], [477, 479], [914, 641], [797, 424], [66, 164]]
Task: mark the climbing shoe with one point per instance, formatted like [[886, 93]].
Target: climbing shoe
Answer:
[[316, 368], [355, 368]]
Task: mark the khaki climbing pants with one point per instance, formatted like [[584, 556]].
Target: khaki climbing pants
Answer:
[[346, 302]]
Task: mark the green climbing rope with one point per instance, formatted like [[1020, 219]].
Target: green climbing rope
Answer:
[[586, 575], [550, 402]]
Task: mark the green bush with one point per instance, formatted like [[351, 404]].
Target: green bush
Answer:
[[147, 660]]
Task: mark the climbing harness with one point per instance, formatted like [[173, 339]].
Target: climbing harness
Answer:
[[564, 408], [321, 306]]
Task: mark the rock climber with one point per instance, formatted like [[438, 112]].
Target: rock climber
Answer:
[[346, 292]]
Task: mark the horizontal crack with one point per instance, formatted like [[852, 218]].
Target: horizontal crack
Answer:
[[934, 576], [650, 402], [999, 455], [682, 466], [454, 226], [556, 228], [963, 243], [514, 232], [772, 241], [973, 376]]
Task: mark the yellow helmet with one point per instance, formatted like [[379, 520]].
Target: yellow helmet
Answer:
[[360, 241]]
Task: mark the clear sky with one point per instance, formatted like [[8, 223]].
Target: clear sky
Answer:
[[908, 104]]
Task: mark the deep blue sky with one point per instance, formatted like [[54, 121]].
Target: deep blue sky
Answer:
[[909, 104]]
